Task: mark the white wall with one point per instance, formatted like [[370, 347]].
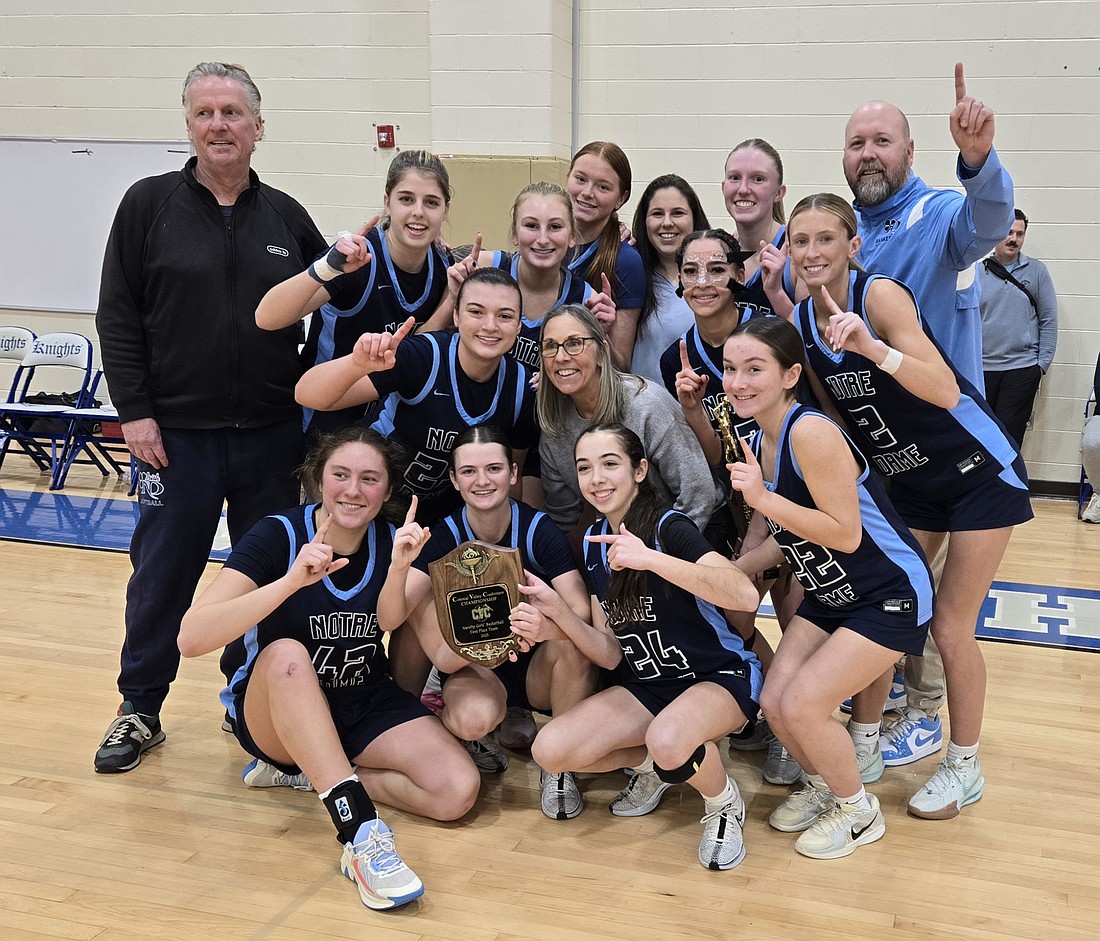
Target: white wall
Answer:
[[677, 84]]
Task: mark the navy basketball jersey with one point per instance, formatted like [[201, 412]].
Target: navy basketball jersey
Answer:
[[706, 360], [887, 570], [574, 290], [543, 548], [669, 633], [376, 298], [338, 626], [427, 400], [755, 301], [924, 448]]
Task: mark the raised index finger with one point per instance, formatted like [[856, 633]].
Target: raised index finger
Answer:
[[367, 226], [410, 517], [750, 458], [685, 363], [605, 284], [832, 305], [322, 532], [475, 252], [960, 83], [403, 331]]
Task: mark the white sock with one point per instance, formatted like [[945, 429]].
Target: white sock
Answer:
[[864, 733], [646, 767], [962, 752], [857, 801], [728, 796]]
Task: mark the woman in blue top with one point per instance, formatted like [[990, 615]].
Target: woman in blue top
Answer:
[[868, 591], [682, 675], [951, 466], [315, 697], [599, 185]]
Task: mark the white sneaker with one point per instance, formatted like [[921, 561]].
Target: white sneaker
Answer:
[[802, 808], [1091, 512], [641, 795], [722, 846], [955, 784], [380, 875], [561, 798], [842, 830], [261, 774]]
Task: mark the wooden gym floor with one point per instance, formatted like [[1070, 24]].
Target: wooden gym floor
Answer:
[[180, 849]]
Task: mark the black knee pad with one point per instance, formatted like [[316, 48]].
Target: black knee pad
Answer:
[[687, 770]]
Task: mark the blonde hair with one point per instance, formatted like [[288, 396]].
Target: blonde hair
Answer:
[[611, 404], [834, 205], [550, 191]]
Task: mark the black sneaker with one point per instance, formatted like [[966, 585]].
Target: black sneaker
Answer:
[[126, 738]]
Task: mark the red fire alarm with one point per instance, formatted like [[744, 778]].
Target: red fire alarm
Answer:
[[385, 136]]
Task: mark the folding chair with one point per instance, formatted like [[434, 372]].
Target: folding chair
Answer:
[[14, 344], [94, 433], [21, 420]]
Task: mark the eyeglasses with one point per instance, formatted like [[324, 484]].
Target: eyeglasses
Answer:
[[715, 274], [571, 345]]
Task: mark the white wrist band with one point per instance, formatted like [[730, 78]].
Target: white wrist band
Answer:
[[892, 362]]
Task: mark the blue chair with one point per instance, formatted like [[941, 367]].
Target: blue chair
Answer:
[[39, 428]]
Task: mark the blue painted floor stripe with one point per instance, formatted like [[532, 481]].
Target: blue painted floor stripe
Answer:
[[61, 520]]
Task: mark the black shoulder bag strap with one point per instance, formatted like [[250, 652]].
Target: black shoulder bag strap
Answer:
[[994, 267]]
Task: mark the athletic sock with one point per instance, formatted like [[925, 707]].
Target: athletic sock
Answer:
[[646, 767], [857, 801], [864, 733], [728, 796], [962, 752], [350, 806]]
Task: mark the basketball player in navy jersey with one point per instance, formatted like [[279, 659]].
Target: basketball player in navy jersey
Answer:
[[553, 673], [868, 591], [753, 191], [374, 279], [315, 704], [433, 386], [951, 465], [682, 676]]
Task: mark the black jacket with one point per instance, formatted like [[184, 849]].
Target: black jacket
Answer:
[[177, 303]]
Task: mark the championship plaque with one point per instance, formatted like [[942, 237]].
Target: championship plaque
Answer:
[[475, 589]]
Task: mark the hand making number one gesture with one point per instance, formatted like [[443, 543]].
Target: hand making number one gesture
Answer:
[[746, 476], [410, 538], [972, 124], [846, 329], [690, 386], [377, 352], [314, 560]]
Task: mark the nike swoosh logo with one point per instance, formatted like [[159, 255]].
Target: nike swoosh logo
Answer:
[[444, 394], [857, 833], [921, 742], [592, 568]]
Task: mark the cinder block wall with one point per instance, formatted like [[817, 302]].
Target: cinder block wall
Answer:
[[676, 82]]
